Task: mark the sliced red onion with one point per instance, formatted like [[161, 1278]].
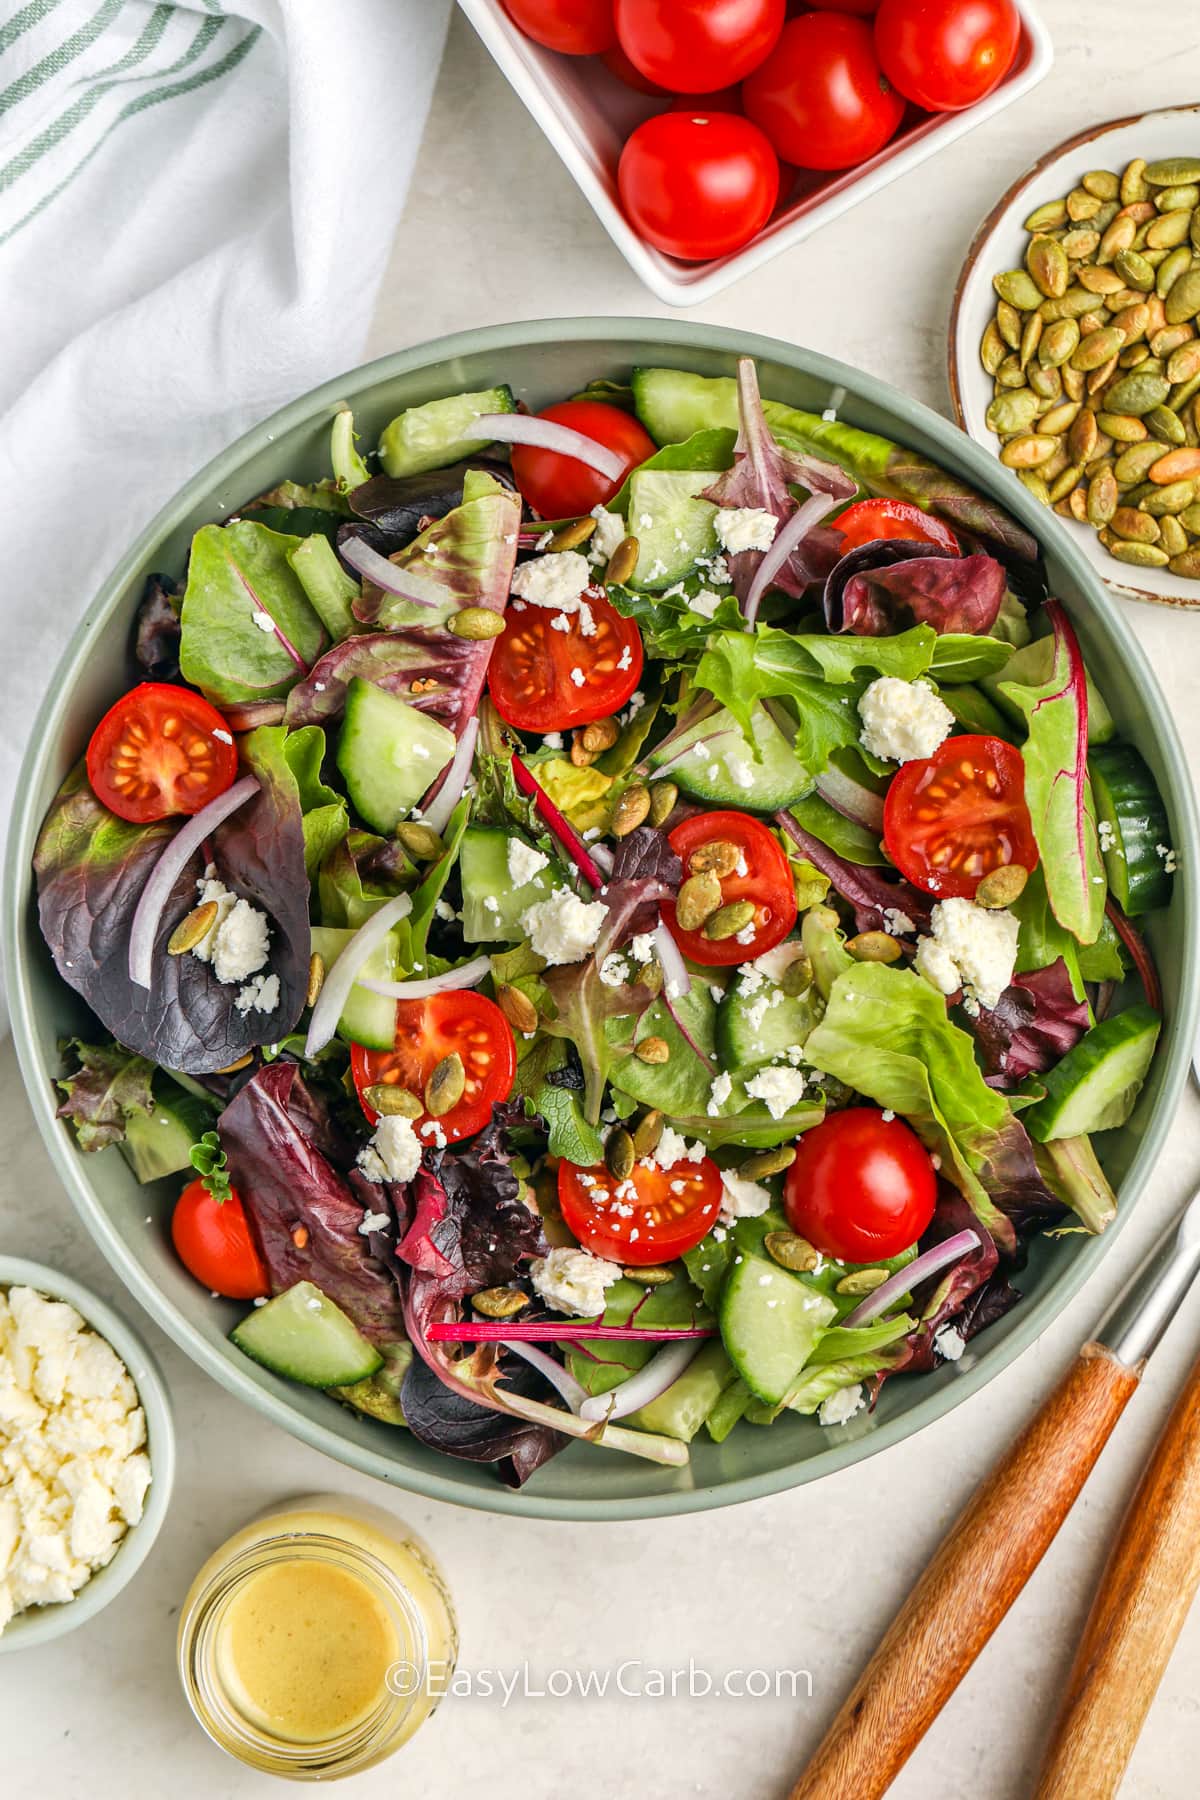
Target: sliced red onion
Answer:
[[558, 1331], [676, 980], [341, 978], [437, 814], [640, 1389], [810, 512], [560, 1379], [175, 857], [930, 1262], [253, 714], [468, 976], [544, 434], [569, 839], [851, 799], [420, 589], [602, 856]]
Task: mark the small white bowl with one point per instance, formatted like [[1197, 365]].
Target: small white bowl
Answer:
[[587, 114], [42, 1623], [1000, 244]]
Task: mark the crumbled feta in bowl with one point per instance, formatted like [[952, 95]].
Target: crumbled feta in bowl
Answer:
[[87, 1454]]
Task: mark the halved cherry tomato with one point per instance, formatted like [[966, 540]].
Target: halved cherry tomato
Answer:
[[160, 750], [946, 54], [767, 882], [867, 520], [951, 818], [560, 487], [213, 1242], [694, 46], [427, 1031], [862, 1186], [820, 96], [669, 1211], [543, 679], [699, 183], [572, 27]]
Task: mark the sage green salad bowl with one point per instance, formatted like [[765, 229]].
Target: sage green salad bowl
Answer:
[[545, 361]]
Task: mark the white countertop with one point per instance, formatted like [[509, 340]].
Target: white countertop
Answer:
[[496, 230]]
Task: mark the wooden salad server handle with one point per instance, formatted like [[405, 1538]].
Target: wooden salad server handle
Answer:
[[1141, 1603], [999, 1540]]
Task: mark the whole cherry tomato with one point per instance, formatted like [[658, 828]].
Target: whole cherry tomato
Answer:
[[574, 27], [862, 1187], [946, 54], [821, 96], [213, 1242], [559, 487], [695, 46], [698, 184]]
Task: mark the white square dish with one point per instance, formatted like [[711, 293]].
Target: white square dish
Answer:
[[587, 114]]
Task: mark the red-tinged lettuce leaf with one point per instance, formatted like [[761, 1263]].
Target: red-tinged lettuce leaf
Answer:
[[470, 553], [430, 668], [762, 476], [1057, 789], [399, 507], [885, 586], [91, 868], [1035, 1022], [290, 1164], [108, 1086], [248, 631], [156, 635], [1073, 1173], [970, 1295], [872, 892]]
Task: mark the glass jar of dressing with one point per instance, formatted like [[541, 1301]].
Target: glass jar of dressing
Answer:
[[318, 1639]]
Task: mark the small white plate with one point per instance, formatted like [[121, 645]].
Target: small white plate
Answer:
[[1000, 244], [587, 114]]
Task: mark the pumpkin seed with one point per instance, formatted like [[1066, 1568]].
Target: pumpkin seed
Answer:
[[1048, 216], [1102, 497], [391, 1101], [1167, 426], [719, 857], [1172, 171], [663, 798], [1120, 235], [1010, 374], [1133, 181], [1000, 887], [631, 810], [1018, 288], [1047, 383], [569, 537], [1072, 382], [1176, 465], [647, 1133], [622, 562], [1132, 321], [768, 1162], [1177, 262], [727, 921], [581, 758], [619, 1153], [1136, 527], [500, 1302], [1046, 261], [1137, 393], [991, 350], [1059, 340], [1012, 411], [1143, 556], [1037, 484], [1074, 303], [653, 1050], [446, 1086], [1178, 199], [651, 1275], [1008, 324], [1080, 243], [1122, 426], [1077, 505], [316, 978], [861, 1281], [600, 735], [792, 1252], [1134, 464], [1130, 358], [1099, 280], [874, 947], [1183, 393], [1170, 499], [1183, 361], [1082, 436], [476, 624], [1096, 349], [1031, 337], [1183, 302], [1168, 230], [1081, 205], [1101, 182], [698, 899], [1171, 535], [1059, 418], [421, 841], [797, 977], [517, 1008], [1026, 451], [1134, 270], [194, 929], [1187, 564]]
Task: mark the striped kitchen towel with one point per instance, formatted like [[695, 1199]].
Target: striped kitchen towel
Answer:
[[196, 208]]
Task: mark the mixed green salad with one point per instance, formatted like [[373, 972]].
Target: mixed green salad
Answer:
[[622, 916]]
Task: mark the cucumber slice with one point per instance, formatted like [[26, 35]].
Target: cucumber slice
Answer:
[[724, 769], [753, 1029], [439, 433], [1137, 840], [303, 1335], [388, 753], [729, 1408], [1096, 1084], [483, 861], [367, 1019], [683, 1408], [672, 524], [160, 1142], [770, 1321], [673, 403]]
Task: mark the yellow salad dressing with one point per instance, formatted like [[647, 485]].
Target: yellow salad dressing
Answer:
[[306, 1638]]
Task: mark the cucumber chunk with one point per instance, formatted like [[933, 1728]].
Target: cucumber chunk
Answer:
[[492, 906], [303, 1335], [367, 1019], [673, 403], [160, 1142], [439, 433], [1096, 1084], [672, 524], [1137, 841], [753, 1029], [770, 1321], [681, 1410], [723, 769], [729, 1408], [388, 753]]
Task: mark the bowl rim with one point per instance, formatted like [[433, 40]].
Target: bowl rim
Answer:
[[622, 334], [1186, 597], [42, 1624]]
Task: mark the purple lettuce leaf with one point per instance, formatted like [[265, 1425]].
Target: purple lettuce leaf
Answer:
[[98, 1097], [870, 891], [289, 1162], [398, 507], [470, 553], [889, 584], [157, 632], [762, 476], [1035, 1022], [946, 1298], [434, 671], [91, 868]]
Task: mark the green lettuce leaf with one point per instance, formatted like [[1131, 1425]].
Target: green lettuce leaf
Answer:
[[248, 630], [571, 1136], [109, 1085], [325, 816], [469, 552]]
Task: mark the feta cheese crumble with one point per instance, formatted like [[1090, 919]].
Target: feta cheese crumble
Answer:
[[237, 942], [614, 970], [673, 1147], [394, 1153], [745, 527], [897, 923], [374, 1221], [950, 1341], [73, 1470], [556, 580], [705, 603], [742, 1199], [259, 995], [573, 1281], [524, 862], [719, 1093], [970, 947], [842, 1405], [902, 720], [564, 928], [641, 947], [779, 1089], [609, 532]]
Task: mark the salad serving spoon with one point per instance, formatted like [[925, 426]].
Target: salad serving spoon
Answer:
[[1001, 1537]]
